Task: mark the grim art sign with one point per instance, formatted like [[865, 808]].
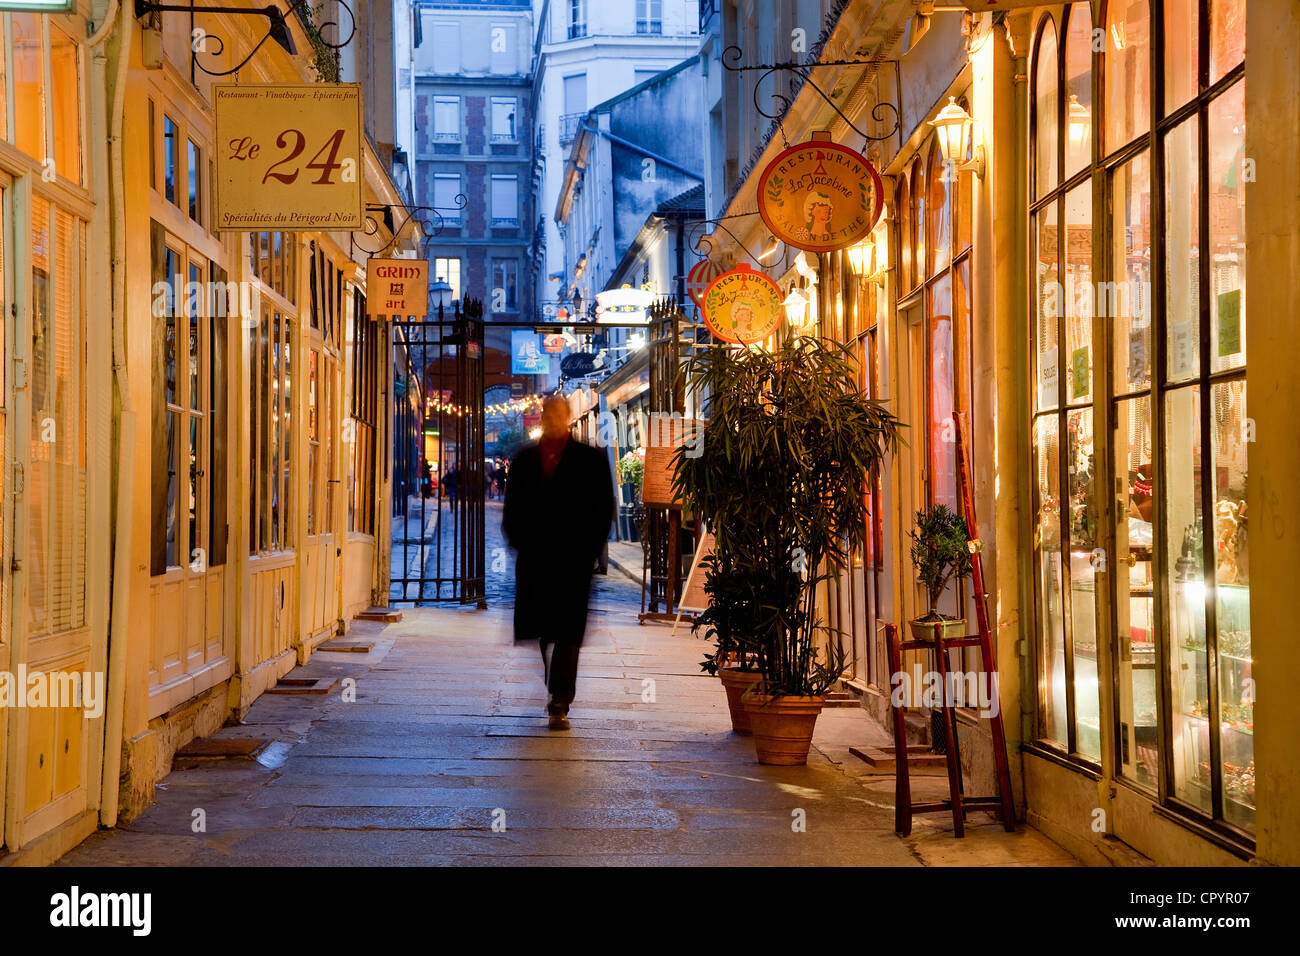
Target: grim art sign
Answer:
[[819, 196], [288, 157], [742, 306], [397, 287]]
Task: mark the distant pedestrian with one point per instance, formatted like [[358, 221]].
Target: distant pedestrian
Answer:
[[558, 509], [449, 483]]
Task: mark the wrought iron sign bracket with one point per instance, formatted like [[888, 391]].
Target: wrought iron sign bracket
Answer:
[[696, 228], [429, 218], [277, 28], [732, 56]]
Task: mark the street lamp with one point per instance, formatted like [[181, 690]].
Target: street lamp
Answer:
[[440, 294], [952, 126], [796, 307]]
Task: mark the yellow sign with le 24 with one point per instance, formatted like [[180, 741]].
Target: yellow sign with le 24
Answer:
[[288, 157]]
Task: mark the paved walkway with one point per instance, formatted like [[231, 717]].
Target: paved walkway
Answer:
[[446, 738]]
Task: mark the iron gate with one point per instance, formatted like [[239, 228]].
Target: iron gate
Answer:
[[438, 481]]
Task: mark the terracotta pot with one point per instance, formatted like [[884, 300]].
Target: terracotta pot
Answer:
[[783, 727], [736, 683]]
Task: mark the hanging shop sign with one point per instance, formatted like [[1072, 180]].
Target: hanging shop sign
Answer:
[[554, 343], [698, 279], [624, 305], [288, 157], [820, 196], [742, 306], [581, 363], [397, 287], [526, 356]]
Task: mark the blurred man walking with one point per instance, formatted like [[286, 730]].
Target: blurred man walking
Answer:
[[558, 509]]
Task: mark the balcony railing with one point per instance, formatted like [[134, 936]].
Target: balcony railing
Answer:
[[569, 125]]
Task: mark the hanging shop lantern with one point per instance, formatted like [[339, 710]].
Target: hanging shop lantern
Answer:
[[820, 196], [698, 279], [742, 306]]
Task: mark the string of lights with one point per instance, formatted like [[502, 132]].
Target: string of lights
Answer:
[[530, 403]]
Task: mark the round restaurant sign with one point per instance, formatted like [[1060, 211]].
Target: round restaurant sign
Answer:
[[698, 279], [742, 306], [819, 196]]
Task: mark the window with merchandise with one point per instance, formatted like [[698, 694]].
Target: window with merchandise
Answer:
[[1155, 290]]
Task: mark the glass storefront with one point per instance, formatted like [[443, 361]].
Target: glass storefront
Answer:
[[1164, 160]]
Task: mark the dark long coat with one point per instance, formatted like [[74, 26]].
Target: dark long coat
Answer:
[[558, 527]]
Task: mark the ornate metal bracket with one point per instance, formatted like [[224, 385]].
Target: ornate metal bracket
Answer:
[[696, 236], [732, 55], [277, 29], [429, 218]]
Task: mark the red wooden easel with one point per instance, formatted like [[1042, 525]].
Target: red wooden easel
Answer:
[[958, 803]]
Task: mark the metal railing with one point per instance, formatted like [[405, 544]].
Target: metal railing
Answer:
[[569, 126]]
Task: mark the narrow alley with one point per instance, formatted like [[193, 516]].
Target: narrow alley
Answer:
[[447, 736]]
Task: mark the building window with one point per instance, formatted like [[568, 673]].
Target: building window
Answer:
[[55, 493], [505, 274], [171, 160], [46, 116], [934, 232], [447, 197], [577, 18], [446, 119], [363, 358], [1175, 417], [194, 166], [649, 16], [449, 271], [505, 201], [503, 118]]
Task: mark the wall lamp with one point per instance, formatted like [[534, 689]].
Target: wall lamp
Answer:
[[279, 30], [953, 125]]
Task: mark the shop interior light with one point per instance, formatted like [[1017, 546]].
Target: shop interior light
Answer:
[[952, 126], [1079, 122]]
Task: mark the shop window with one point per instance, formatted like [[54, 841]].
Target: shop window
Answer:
[[1175, 416], [65, 104], [935, 220], [273, 259], [364, 376], [171, 159], [55, 490], [1128, 71], [194, 168], [28, 84], [189, 401]]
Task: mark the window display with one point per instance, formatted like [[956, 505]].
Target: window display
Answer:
[[1179, 434]]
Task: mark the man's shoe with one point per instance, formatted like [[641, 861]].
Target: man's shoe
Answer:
[[558, 722]]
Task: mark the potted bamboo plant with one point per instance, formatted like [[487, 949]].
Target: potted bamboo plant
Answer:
[[780, 478], [940, 552]]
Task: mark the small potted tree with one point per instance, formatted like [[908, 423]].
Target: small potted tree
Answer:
[[780, 478], [631, 470], [940, 552], [729, 621]]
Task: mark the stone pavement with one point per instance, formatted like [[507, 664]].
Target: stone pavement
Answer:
[[446, 737]]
